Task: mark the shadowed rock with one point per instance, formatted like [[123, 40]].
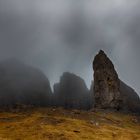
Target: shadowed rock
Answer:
[[72, 92], [106, 83], [92, 99], [23, 84], [109, 91], [131, 100]]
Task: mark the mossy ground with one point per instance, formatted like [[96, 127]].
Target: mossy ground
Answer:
[[60, 124]]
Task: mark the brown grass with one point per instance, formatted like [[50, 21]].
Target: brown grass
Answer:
[[60, 124]]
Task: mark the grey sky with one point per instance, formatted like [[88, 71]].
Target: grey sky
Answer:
[[65, 35]]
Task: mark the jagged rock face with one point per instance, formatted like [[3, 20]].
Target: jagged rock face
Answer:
[[72, 92], [23, 84], [106, 83]]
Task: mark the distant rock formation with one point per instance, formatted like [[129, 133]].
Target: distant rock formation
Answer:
[[106, 83], [91, 91], [22, 84], [72, 92], [109, 91], [131, 100]]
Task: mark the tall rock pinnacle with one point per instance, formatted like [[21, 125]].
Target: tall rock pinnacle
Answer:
[[106, 83]]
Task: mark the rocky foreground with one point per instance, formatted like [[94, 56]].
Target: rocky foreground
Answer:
[[60, 124]]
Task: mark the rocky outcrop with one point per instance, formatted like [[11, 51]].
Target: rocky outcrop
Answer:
[[72, 92], [23, 84], [109, 91], [106, 83], [131, 100]]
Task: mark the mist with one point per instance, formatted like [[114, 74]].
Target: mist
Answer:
[[64, 35]]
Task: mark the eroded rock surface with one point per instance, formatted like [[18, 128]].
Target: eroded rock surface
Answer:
[[109, 91], [106, 83]]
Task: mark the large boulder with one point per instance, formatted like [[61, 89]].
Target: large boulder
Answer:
[[72, 92], [22, 84], [106, 83], [109, 91]]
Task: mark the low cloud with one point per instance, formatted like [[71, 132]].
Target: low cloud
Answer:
[[65, 35]]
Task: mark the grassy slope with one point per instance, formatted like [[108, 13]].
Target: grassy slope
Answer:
[[59, 124]]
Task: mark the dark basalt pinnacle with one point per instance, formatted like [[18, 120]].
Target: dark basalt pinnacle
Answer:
[[109, 91], [106, 82], [101, 61], [101, 52]]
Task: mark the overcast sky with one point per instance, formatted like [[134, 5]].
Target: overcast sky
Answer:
[[64, 35]]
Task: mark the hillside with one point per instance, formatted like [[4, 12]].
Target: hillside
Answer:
[[60, 124]]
